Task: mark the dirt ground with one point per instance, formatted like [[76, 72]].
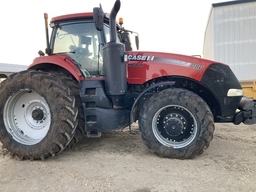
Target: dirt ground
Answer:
[[119, 161]]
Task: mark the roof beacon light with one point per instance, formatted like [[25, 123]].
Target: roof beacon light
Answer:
[[120, 20]]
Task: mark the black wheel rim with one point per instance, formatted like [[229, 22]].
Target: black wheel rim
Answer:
[[174, 126]]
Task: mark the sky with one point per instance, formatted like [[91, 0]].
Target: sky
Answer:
[[163, 25]]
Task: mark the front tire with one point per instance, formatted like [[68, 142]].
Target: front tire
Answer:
[[38, 117], [176, 123]]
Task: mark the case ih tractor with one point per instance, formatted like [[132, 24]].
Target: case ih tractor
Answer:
[[92, 82]]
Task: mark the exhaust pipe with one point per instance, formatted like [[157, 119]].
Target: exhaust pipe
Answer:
[[114, 64], [112, 20]]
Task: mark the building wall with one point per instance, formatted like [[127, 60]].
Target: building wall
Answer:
[[7, 69], [208, 50], [230, 38]]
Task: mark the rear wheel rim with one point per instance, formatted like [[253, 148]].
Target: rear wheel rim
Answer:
[[27, 117], [174, 126]]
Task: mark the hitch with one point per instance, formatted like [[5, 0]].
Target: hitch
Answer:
[[247, 113]]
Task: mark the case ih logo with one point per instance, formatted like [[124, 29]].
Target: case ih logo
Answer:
[[140, 57]]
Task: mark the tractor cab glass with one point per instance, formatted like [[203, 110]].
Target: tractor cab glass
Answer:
[[107, 34], [80, 41]]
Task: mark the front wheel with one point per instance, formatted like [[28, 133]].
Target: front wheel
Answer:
[[176, 123]]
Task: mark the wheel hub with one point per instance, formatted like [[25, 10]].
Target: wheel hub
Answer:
[[37, 114], [173, 126]]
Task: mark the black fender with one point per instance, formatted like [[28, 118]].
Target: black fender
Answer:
[[162, 86]]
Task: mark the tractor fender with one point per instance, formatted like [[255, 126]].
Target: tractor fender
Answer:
[[162, 86], [62, 61]]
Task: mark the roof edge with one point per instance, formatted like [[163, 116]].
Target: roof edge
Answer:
[[232, 3]]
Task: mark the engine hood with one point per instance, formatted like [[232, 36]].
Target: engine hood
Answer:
[[144, 66]]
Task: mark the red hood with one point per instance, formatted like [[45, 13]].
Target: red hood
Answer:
[[144, 66]]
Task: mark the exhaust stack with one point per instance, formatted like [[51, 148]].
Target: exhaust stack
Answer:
[[112, 21], [114, 64]]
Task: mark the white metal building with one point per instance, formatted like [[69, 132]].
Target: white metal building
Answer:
[[230, 36], [7, 69]]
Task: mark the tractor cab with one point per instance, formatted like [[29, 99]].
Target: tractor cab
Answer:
[[82, 42], [79, 37]]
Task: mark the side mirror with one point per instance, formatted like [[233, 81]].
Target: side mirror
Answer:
[[98, 18], [137, 42]]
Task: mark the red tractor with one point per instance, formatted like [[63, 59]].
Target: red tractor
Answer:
[[92, 82]]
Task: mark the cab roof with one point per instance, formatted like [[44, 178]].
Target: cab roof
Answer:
[[72, 16]]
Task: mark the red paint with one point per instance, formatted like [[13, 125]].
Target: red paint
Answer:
[[59, 60], [138, 72], [72, 16], [143, 71]]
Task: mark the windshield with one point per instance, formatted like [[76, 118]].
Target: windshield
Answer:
[[107, 34], [81, 42]]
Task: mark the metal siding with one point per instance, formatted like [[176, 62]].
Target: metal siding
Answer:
[[7, 69], [235, 38], [231, 2], [208, 49]]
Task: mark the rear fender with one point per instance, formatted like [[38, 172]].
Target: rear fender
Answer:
[[61, 61], [134, 109]]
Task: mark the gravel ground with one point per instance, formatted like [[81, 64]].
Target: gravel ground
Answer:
[[119, 161]]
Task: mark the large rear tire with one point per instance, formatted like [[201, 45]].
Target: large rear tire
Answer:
[[38, 117], [176, 123], [73, 85]]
